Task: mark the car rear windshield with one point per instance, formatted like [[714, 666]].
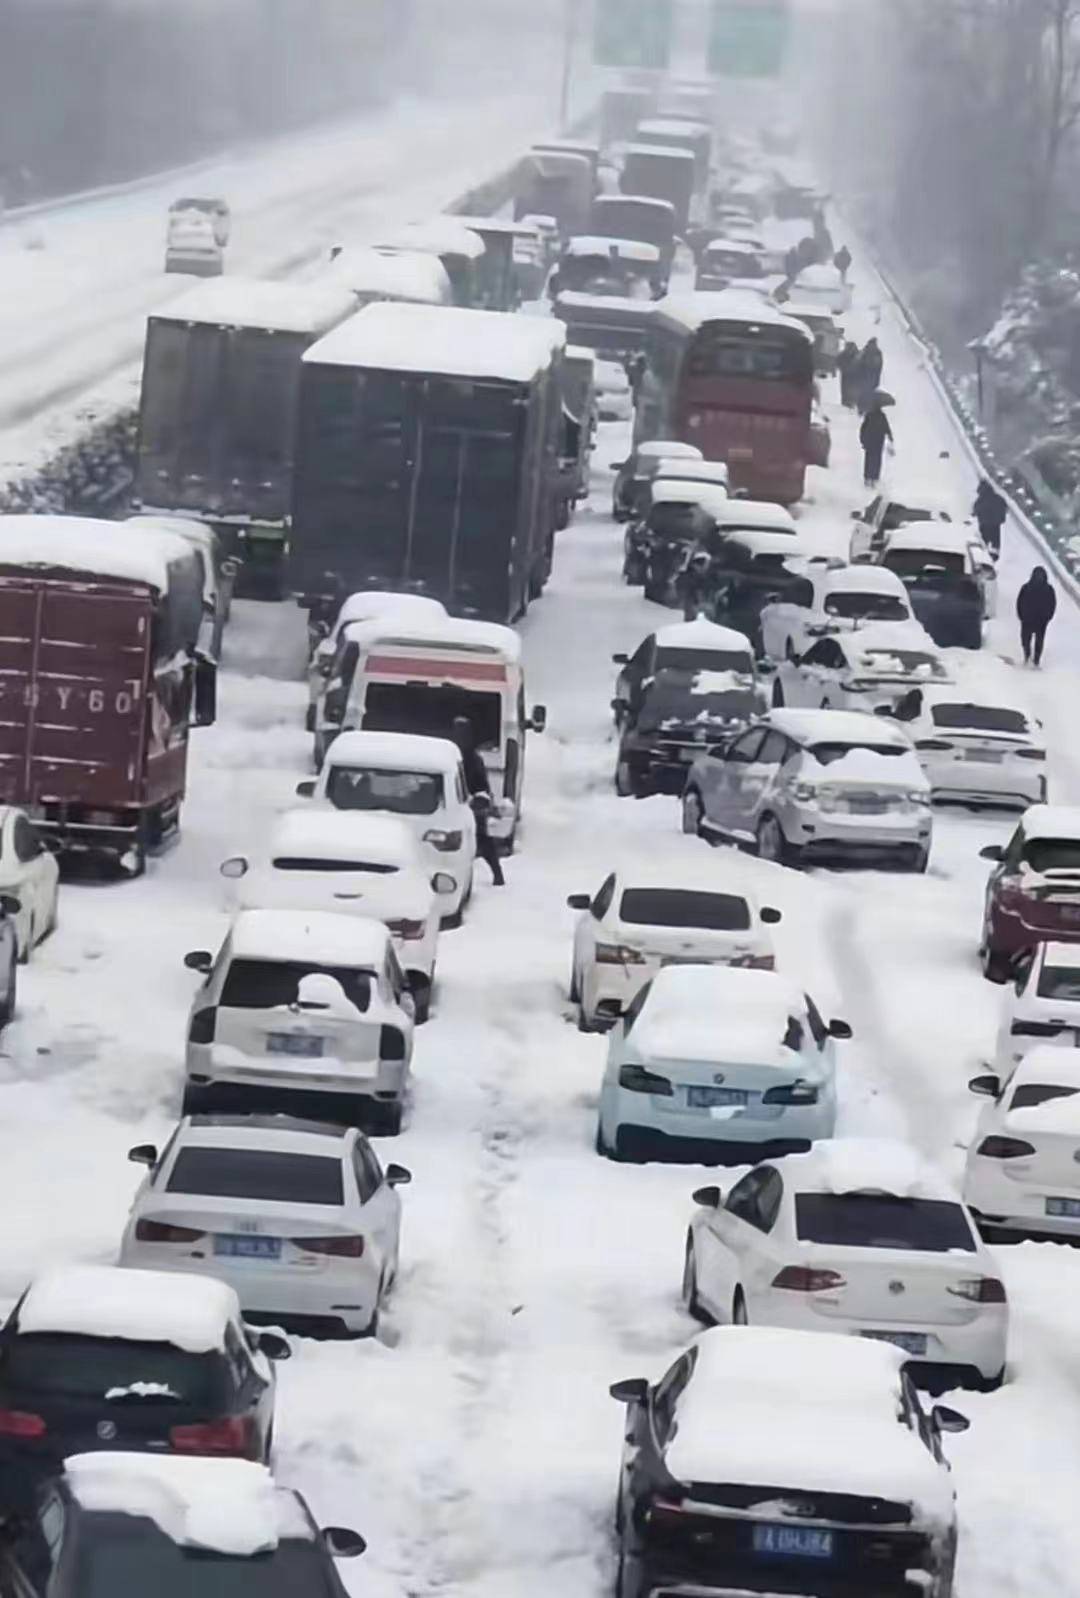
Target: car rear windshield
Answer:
[[431, 710], [268, 984], [109, 1369], [827, 754], [985, 718], [675, 907], [128, 1554], [1060, 982], [692, 660], [681, 707], [403, 793], [1053, 854], [901, 662], [257, 1174], [872, 1220], [1029, 1094], [913, 562], [869, 607]]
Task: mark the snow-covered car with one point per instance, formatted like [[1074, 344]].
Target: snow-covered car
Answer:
[[824, 285], [192, 246], [1033, 895], [874, 667], [692, 646], [980, 747], [297, 1216], [885, 513], [373, 605], [1040, 1006], [648, 916], [720, 1064], [757, 516], [215, 208], [93, 1357], [950, 577], [419, 780], [859, 1236], [678, 714], [29, 880], [689, 470], [639, 467], [614, 394], [1022, 1177], [303, 1012], [114, 1522], [815, 785], [767, 1461], [369, 866], [842, 598]]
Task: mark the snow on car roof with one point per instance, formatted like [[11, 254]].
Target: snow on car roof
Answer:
[[867, 1165], [932, 535], [693, 471], [666, 448], [444, 340], [395, 751], [229, 1506], [803, 1410], [404, 275], [689, 872], [189, 1312], [81, 544], [439, 235], [717, 1012], [692, 311], [659, 149], [864, 580], [673, 126], [597, 244], [1052, 821], [343, 835], [757, 513], [449, 632], [608, 200], [854, 727], [688, 491], [251, 302], [317, 935], [377, 604], [701, 634]]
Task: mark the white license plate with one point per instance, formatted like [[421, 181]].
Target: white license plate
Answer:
[[716, 1098], [986, 757], [299, 1047], [910, 1342], [1064, 1209]]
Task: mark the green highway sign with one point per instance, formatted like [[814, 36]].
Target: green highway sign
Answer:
[[633, 33], [748, 38]]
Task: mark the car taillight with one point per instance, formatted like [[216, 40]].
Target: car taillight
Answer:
[[447, 842], [1030, 754], [618, 954], [161, 1232], [349, 1248], [20, 1423], [755, 962], [203, 1023], [407, 931], [979, 1290], [937, 745], [636, 1079], [791, 1093], [1004, 1148], [1034, 1029], [803, 1279], [391, 1043], [234, 1436]]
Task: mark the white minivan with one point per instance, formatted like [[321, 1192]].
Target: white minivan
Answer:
[[420, 780]]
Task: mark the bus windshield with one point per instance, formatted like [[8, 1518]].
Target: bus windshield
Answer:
[[766, 354]]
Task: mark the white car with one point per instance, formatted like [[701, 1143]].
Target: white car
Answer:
[[719, 1063], [369, 866], [978, 747], [303, 1012], [823, 285], [297, 1217], [1022, 1177], [841, 598], [372, 605], [647, 917], [192, 246], [419, 780], [886, 512], [1041, 1004], [29, 873], [614, 394], [873, 667], [861, 1237]]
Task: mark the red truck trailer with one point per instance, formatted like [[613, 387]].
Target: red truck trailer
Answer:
[[100, 681]]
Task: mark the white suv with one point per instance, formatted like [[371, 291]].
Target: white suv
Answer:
[[841, 598]]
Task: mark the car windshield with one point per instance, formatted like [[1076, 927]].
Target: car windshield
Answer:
[[983, 718], [705, 660], [275, 1178], [403, 793], [270, 984], [866, 607], [881, 1220], [121, 1372], [1029, 1094], [680, 706], [1060, 982], [1052, 854], [676, 907], [900, 663], [128, 1554], [826, 754]]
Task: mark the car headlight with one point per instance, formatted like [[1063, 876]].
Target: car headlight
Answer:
[[804, 793]]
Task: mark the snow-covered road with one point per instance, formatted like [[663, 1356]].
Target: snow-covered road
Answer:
[[476, 1446]]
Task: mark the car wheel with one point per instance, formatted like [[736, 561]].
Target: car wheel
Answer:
[[921, 862], [991, 1384], [575, 984], [995, 966], [422, 1001], [7, 1008], [690, 1285], [778, 694], [630, 1579], [739, 1317], [771, 843], [625, 786]]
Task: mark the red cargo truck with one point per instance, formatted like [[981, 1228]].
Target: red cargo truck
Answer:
[[100, 681]]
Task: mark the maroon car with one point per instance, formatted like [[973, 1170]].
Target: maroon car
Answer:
[[1034, 894]]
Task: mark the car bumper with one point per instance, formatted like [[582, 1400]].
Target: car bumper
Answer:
[[1012, 933], [1019, 783], [978, 1345], [384, 1079], [867, 837], [658, 1121], [1003, 1201]]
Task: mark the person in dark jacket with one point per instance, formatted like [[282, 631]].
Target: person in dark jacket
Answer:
[[991, 512], [842, 261], [695, 584], [847, 365], [874, 434], [476, 780], [870, 366], [1036, 604]]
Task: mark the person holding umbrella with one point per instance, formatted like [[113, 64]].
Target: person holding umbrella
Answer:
[[874, 434]]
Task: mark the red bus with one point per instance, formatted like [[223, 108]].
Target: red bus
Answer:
[[733, 375]]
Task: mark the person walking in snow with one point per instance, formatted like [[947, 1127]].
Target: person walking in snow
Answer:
[[847, 364], [874, 434], [476, 780], [842, 261], [991, 512], [1036, 604], [870, 367]]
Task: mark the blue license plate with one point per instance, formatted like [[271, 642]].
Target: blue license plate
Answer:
[[793, 1542], [298, 1045], [248, 1248], [715, 1098], [1065, 1208], [910, 1342]]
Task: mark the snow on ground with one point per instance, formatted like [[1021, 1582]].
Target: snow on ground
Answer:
[[475, 1446]]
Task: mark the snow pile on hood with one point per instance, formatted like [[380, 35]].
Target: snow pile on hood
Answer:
[[722, 682], [190, 1312], [717, 1012]]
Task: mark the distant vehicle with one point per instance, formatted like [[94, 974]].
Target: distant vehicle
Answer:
[[99, 628], [681, 134], [675, 521], [640, 466], [823, 286], [413, 277], [217, 210], [828, 337], [649, 916], [559, 183], [873, 668], [370, 605], [978, 747], [829, 785], [818, 1242], [1021, 1178], [93, 1357], [298, 1217], [639, 215], [621, 268], [718, 1064], [621, 110], [458, 247], [725, 260], [1033, 895], [672, 469], [950, 577], [713, 1498], [839, 599], [1041, 1006], [661, 174], [678, 713], [192, 246], [221, 371], [497, 286], [302, 1012], [614, 394], [614, 328], [219, 573]]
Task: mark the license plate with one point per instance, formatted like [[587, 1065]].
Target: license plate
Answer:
[[987, 757], [793, 1542], [299, 1046], [248, 1248], [715, 1098], [910, 1342], [1069, 1208], [867, 807]]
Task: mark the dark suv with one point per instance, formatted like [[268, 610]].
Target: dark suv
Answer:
[[1033, 895], [678, 715]]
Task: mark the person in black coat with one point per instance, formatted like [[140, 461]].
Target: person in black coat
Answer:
[[847, 364], [476, 780], [868, 370], [874, 434], [1036, 604], [991, 512]]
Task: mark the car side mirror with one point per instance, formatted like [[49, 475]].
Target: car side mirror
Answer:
[[274, 1347], [579, 901], [993, 851], [343, 1542], [9, 904], [635, 1391], [987, 1087], [620, 660], [397, 1176], [766, 668], [710, 1198], [143, 1154], [443, 882], [841, 1029], [306, 790], [771, 917], [949, 1420], [856, 515], [619, 466], [538, 719], [199, 960], [235, 868]]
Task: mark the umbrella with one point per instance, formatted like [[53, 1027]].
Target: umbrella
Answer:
[[883, 398]]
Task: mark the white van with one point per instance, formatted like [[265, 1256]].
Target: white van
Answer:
[[417, 677], [369, 605], [191, 246]]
